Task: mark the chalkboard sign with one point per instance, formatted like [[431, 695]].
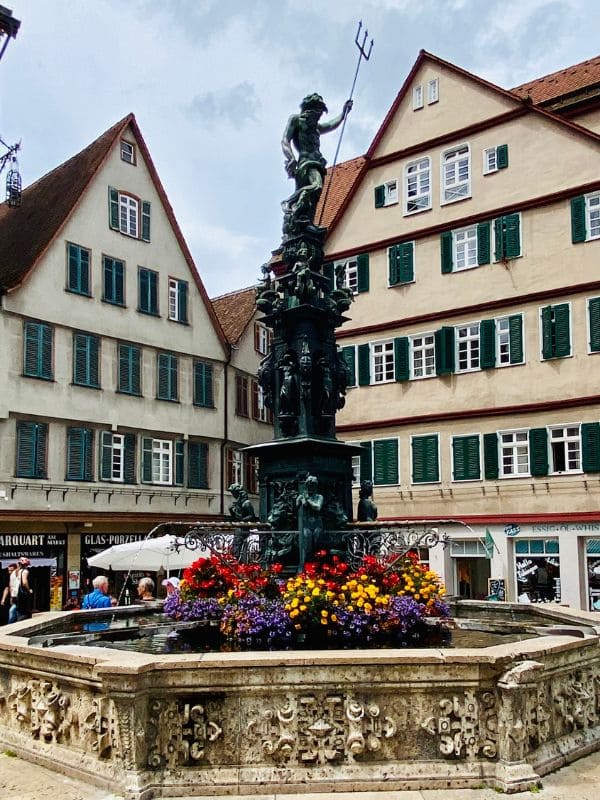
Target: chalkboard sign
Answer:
[[497, 588]]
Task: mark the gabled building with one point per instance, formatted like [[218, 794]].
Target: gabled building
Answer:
[[113, 365], [469, 232]]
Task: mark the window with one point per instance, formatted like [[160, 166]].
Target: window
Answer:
[[80, 454], [514, 453], [465, 248], [382, 361], [127, 152], [162, 461], [198, 465], [433, 91], [260, 411], [86, 351], [386, 194], [262, 338], [425, 459], [234, 467], [178, 300], [251, 474], [422, 356], [594, 324], [401, 261], [167, 376], [507, 237], [467, 347], [147, 291], [466, 458], [456, 170], [31, 450], [78, 269], [355, 467], [37, 350], [241, 395], [349, 356], [129, 369], [509, 340], [565, 449], [417, 186], [495, 158], [385, 462], [113, 273], [354, 272], [128, 215], [417, 97], [556, 331], [117, 457], [585, 217], [203, 384]]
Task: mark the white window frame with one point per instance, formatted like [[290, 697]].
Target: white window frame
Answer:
[[421, 176], [391, 194], [457, 189], [433, 91], [592, 206], [355, 466], [262, 339], [162, 462], [263, 411], [350, 273], [127, 152], [174, 309], [503, 342], [514, 447], [117, 458], [129, 215], [490, 160], [566, 439], [382, 356], [237, 466], [417, 97], [472, 350], [467, 237], [426, 350]]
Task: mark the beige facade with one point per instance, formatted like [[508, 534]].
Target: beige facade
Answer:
[[122, 417], [476, 345]]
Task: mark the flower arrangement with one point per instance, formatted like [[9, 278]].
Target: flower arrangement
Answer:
[[378, 604]]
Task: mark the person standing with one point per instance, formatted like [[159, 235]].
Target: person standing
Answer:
[[24, 591], [145, 589], [98, 597], [10, 592]]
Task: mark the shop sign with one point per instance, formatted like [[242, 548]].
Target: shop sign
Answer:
[[28, 540], [567, 527], [512, 529]]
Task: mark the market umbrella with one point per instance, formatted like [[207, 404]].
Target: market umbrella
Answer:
[[149, 555]]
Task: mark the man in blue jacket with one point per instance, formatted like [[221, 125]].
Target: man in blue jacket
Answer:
[[99, 598]]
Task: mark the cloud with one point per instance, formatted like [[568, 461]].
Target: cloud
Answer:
[[236, 105]]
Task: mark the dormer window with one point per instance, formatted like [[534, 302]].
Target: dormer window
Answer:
[[127, 152]]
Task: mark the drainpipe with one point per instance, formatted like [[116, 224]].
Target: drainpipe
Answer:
[[225, 424]]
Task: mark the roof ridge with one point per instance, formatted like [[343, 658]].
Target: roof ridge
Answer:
[[556, 72]]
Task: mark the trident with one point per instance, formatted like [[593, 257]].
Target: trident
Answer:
[[363, 52]]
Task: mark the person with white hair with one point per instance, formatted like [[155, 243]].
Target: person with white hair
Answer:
[[145, 589], [99, 597]]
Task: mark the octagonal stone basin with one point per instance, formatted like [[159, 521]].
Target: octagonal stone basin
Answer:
[[235, 724]]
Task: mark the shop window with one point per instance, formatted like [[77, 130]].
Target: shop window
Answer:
[[537, 564], [592, 551]]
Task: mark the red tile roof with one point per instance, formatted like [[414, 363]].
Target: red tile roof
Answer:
[[565, 81], [337, 186], [235, 311]]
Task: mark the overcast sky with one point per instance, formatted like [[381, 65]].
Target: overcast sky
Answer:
[[212, 83]]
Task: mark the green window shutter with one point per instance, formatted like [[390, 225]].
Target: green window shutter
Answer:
[[182, 293], [385, 462], [547, 329], [483, 243], [487, 332], [328, 272], [590, 446], [203, 384], [366, 461], [25, 450], [502, 156], [466, 458], [406, 272], [401, 358], [145, 221], [538, 451], [143, 290], [76, 454], [197, 465], [512, 227], [47, 336], [444, 351], [88, 461], [364, 364], [515, 338], [129, 475], [124, 366], [113, 208], [40, 450], [499, 253], [179, 449], [446, 251], [349, 356], [562, 330], [362, 267], [490, 456], [153, 279], [79, 359], [119, 283], [379, 196], [135, 382], [106, 456], [31, 346], [167, 376], [146, 460], [594, 323], [394, 265], [425, 459], [94, 360], [578, 232], [73, 267]]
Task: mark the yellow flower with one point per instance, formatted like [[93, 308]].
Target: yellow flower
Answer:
[[323, 622], [303, 608], [324, 613], [364, 577], [294, 613], [295, 602], [316, 591], [307, 599], [333, 618]]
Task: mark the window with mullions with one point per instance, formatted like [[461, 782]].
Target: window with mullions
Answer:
[[117, 457], [162, 461], [178, 300], [147, 291], [80, 454], [514, 453], [465, 248], [86, 360], [235, 464], [509, 340], [456, 174], [203, 384], [37, 350], [129, 376], [127, 152], [386, 194], [422, 350], [565, 449], [417, 186], [128, 215], [260, 411], [167, 376], [263, 337], [467, 347], [78, 269], [113, 275], [31, 450], [585, 217], [382, 361], [241, 395], [495, 158]]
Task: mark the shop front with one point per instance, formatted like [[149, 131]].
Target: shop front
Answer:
[[537, 565], [121, 583], [47, 553], [471, 568]]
